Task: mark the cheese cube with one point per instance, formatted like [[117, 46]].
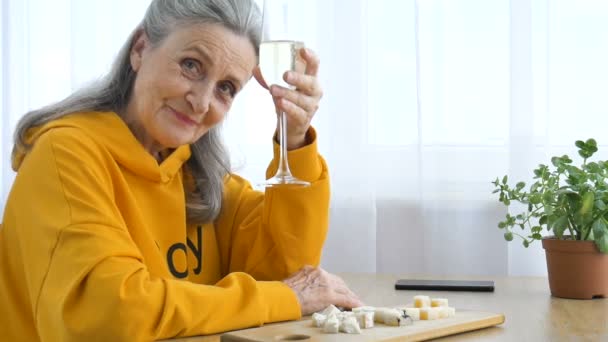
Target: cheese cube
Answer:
[[381, 314], [422, 301], [451, 312], [429, 313], [365, 319], [437, 302]]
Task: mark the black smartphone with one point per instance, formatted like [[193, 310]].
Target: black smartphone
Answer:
[[445, 285]]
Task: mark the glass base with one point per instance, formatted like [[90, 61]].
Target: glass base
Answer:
[[285, 181]]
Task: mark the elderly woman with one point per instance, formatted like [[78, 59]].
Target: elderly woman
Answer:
[[124, 223]]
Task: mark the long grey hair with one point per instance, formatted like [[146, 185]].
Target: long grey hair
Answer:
[[209, 163]]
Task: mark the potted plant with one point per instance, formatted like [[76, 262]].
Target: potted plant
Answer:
[[571, 203]]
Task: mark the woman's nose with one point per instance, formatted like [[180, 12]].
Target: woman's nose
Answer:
[[200, 97]]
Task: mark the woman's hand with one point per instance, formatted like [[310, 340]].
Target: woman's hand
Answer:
[[301, 104], [316, 289]]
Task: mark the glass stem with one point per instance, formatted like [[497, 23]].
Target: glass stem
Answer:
[[283, 170]]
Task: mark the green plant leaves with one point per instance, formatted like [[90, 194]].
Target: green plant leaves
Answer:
[[572, 202], [602, 243], [551, 220], [564, 198], [587, 148], [535, 198], [588, 201], [583, 216], [600, 235], [560, 225], [547, 197], [599, 227]]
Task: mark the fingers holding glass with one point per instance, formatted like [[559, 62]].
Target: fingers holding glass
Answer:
[[299, 104], [312, 61]]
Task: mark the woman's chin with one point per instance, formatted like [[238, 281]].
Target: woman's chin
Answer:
[[175, 138], [175, 142]]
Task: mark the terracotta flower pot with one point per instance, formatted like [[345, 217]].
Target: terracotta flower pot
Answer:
[[577, 269]]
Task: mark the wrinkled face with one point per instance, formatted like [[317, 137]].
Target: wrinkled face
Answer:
[[185, 85]]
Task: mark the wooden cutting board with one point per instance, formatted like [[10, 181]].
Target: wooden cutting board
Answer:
[[419, 331]]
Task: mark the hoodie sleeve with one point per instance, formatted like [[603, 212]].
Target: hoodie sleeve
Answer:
[[273, 234], [87, 279]]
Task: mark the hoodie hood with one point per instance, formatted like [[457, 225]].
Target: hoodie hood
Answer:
[[112, 134]]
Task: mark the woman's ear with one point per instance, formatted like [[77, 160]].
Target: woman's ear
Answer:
[[140, 42]]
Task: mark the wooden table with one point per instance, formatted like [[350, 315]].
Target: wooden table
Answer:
[[531, 313]]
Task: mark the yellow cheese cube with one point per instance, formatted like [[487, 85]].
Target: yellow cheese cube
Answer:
[[429, 313], [437, 302], [422, 301]]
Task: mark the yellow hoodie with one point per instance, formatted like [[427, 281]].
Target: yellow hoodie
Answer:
[[94, 244]]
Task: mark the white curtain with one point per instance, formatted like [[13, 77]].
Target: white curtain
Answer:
[[51, 48], [426, 102]]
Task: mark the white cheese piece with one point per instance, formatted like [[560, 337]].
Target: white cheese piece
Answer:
[[414, 313], [365, 319], [332, 325], [330, 310], [350, 325], [450, 311], [318, 320], [345, 314], [363, 308], [391, 316], [381, 314], [397, 318], [378, 316]]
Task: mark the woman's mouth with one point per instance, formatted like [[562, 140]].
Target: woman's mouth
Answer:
[[183, 117]]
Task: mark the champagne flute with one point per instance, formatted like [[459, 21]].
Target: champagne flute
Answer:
[[279, 54]]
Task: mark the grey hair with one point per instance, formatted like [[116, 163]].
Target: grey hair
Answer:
[[209, 162]]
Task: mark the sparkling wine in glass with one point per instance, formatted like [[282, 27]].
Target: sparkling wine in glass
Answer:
[[278, 56]]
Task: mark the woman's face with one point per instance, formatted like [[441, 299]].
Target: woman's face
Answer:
[[185, 85]]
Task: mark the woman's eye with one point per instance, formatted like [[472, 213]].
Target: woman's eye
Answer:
[[191, 67], [227, 88]]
